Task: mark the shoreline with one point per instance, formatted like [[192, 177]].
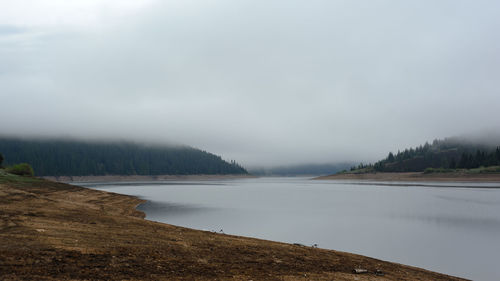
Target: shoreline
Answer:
[[133, 178], [416, 176], [56, 231]]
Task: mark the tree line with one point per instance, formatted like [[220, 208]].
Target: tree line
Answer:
[[480, 158], [79, 158], [446, 154]]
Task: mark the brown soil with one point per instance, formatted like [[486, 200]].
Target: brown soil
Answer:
[[55, 231], [449, 177]]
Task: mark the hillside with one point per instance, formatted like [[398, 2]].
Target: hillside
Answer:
[[444, 155], [79, 158]]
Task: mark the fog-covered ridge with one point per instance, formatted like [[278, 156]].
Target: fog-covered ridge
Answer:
[[300, 169], [450, 153], [58, 157]]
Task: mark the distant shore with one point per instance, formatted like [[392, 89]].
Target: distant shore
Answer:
[[118, 178], [415, 176]]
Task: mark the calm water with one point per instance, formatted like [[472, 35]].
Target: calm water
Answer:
[[445, 227]]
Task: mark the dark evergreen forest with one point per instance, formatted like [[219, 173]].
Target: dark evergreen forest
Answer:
[[451, 153], [79, 158]]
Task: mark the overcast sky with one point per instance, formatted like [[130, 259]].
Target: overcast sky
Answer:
[[262, 82]]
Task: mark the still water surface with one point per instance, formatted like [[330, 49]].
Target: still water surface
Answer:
[[445, 227]]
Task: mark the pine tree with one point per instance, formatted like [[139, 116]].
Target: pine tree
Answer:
[[390, 157], [453, 164], [463, 161]]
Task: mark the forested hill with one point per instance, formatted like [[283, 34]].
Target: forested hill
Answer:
[[450, 153], [79, 158]]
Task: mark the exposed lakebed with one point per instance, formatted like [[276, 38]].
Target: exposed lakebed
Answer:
[[452, 228]]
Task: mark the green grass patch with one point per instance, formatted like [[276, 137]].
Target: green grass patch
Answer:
[[6, 177], [23, 169], [484, 170], [438, 170], [367, 170], [480, 170]]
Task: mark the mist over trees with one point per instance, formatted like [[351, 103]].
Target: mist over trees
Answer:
[[78, 158], [301, 170], [450, 153]]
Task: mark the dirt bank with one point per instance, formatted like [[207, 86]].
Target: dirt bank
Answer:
[[450, 177], [55, 231]]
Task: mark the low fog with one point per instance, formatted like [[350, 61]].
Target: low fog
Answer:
[[262, 82]]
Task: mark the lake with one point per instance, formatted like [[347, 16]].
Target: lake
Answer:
[[452, 228]]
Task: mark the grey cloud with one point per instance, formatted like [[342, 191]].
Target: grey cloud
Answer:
[[264, 82]]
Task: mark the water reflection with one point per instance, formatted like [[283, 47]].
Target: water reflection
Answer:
[[422, 184], [488, 224], [101, 185], [165, 209], [452, 228], [470, 200]]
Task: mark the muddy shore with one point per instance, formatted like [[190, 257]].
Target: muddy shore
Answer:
[[56, 231], [442, 177]]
